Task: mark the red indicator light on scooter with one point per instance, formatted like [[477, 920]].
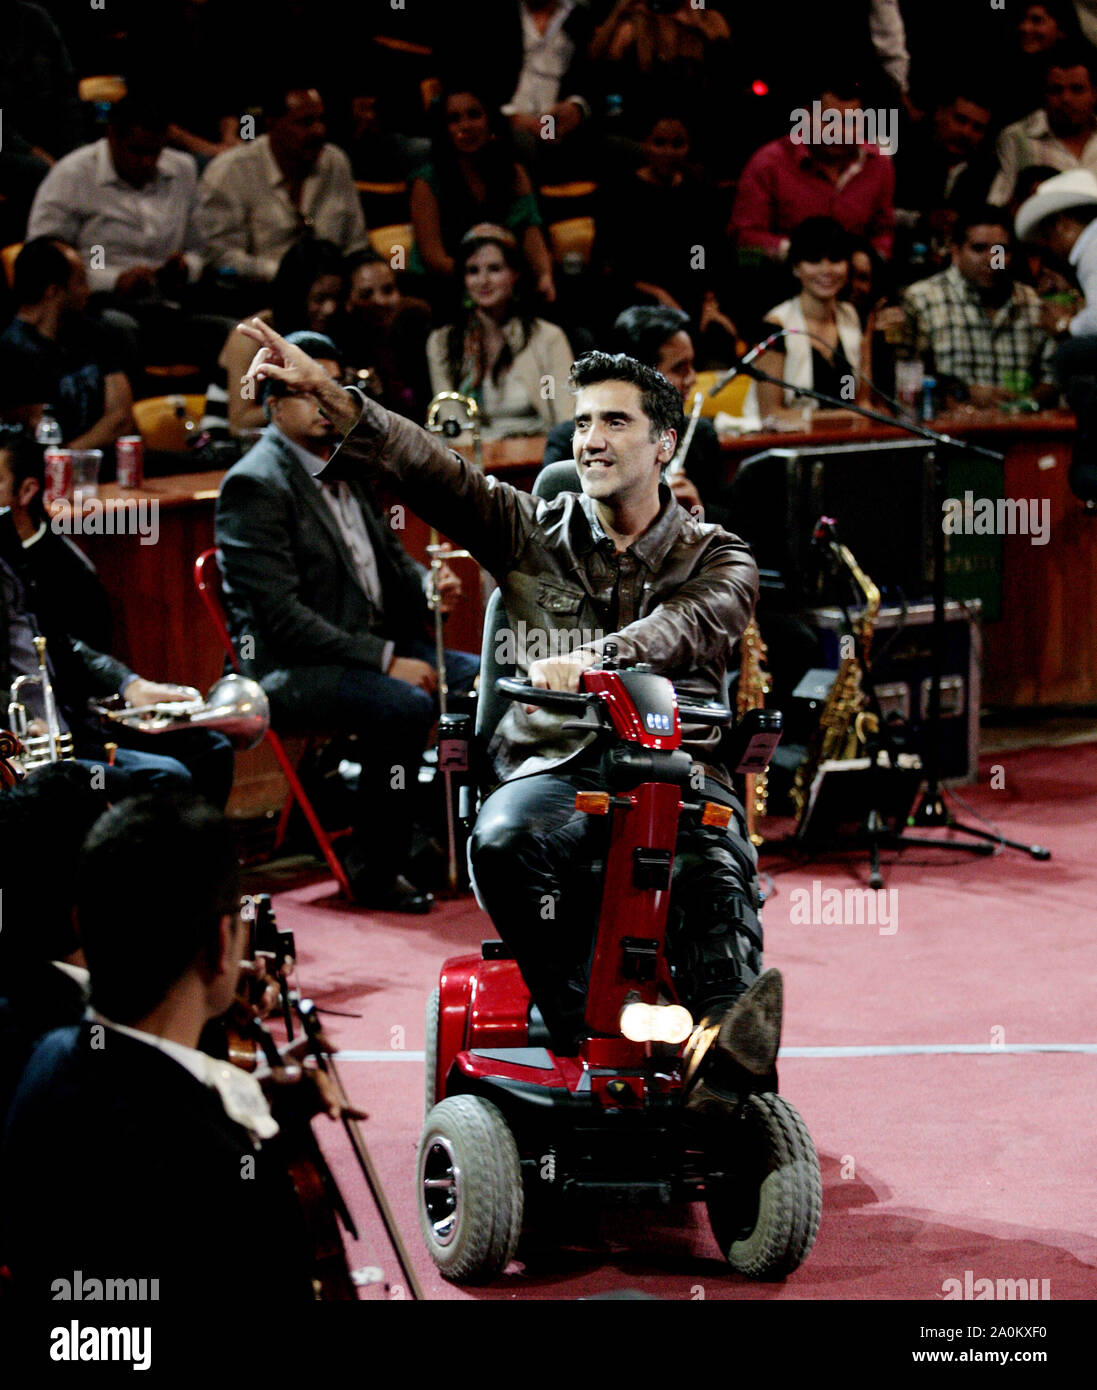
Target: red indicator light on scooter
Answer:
[[593, 803], [715, 814]]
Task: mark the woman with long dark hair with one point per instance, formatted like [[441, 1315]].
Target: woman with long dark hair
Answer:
[[473, 177], [515, 366]]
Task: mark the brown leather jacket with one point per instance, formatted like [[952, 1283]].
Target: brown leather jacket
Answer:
[[678, 598]]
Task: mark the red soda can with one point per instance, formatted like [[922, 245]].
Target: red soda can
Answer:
[[130, 456], [58, 464]]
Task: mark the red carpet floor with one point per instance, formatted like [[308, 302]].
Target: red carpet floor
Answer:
[[956, 1134]]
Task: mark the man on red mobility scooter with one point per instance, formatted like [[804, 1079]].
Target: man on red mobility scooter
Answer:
[[634, 572]]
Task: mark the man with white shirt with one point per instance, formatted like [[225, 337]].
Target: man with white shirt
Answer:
[[133, 1154], [329, 613], [128, 204], [260, 197], [1061, 134]]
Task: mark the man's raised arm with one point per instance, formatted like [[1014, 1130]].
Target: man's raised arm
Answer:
[[484, 515], [301, 374]]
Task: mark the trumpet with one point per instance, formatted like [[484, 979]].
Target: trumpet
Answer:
[[235, 706], [451, 428], [38, 749]]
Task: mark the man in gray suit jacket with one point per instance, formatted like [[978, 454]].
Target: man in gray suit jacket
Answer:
[[330, 615]]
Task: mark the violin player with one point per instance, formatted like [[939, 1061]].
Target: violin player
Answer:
[[175, 1154]]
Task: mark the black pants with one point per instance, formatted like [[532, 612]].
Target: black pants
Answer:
[[393, 721], [539, 865]]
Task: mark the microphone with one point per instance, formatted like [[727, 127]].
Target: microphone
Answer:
[[745, 361]]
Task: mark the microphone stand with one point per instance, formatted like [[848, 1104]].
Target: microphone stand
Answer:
[[930, 812]]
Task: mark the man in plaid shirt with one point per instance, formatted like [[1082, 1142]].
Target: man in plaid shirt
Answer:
[[974, 324]]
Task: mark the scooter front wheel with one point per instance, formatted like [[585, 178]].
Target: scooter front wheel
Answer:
[[764, 1193], [431, 1052], [470, 1189]]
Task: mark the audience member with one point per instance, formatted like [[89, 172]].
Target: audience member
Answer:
[[339, 621], [53, 354], [64, 590], [1062, 133], [660, 338], [656, 232], [378, 149], [306, 293], [129, 206], [386, 330], [177, 1151], [675, 48], [824, 347], [260, 197], [794, 178], [974, 325], [866, 289], [126, 204], [513, 365], [42, 117], [1019, 75], [473, 177], [942, 163], [533, 68], [1062, 215]]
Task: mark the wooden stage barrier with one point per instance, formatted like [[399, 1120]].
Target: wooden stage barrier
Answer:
[[1042, 650]]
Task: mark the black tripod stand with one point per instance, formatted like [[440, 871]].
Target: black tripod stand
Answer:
[[931, 811]]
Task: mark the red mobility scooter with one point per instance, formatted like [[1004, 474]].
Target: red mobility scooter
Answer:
[[513, 1131]]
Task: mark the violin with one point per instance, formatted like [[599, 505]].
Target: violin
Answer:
[[10, 772], [300, 1081]]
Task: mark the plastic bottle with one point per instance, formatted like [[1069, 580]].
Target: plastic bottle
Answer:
[[929, 398], [48, 431]]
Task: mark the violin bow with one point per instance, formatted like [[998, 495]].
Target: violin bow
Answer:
[[321, 1050]]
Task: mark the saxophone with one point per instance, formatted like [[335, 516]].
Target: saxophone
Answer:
[[754, 686], [845, 723]]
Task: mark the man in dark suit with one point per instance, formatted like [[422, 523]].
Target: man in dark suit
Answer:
[[660, 337], [129, 1154], [330, 615]]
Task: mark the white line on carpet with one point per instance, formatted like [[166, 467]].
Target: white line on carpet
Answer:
[[886, 1050]]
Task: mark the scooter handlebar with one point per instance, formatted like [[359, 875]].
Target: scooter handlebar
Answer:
[[575, 701], [704, 714], [571, 701]]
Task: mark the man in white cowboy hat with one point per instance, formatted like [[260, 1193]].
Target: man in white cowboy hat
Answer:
[[1062, 215]]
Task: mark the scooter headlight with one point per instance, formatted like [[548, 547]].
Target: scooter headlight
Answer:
[[669, 1023]]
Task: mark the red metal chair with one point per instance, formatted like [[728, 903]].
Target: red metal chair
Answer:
[[207, 579]]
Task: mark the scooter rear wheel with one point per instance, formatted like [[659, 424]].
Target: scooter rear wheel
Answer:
[[470, 1189], [765, 1194]]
